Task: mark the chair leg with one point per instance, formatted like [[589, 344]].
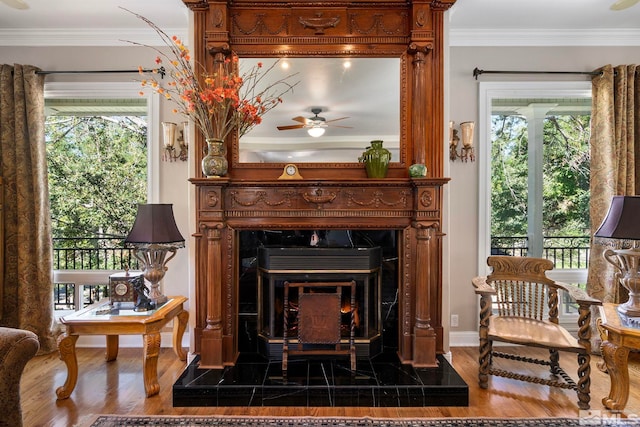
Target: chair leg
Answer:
[[486, 346], [554, 358], [584, 380], [484, 362]]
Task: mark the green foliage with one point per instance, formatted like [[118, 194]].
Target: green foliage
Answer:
[[97, 174], [565, 175]]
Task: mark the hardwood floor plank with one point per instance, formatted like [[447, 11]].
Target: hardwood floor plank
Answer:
[[117, 388]]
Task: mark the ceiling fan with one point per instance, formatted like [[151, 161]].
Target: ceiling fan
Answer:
[[16, 4], [315, 125], [623, 4]]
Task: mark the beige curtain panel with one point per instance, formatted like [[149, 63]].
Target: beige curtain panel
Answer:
[[615, 150], [27, 290]]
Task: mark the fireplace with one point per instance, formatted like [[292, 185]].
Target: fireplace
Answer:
[[332, 195], [407, 209], [269, 258]]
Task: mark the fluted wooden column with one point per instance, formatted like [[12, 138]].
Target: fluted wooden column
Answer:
[[424, 336], [212, 351]]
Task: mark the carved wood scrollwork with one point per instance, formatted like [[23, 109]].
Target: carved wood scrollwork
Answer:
[[378, 25], [260, 26], [212, 198], [426, 198], [319, 23], [260, 197], [378, 199], [319, 197]]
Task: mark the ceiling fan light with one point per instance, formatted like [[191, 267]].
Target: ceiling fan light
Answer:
[[315, 131]]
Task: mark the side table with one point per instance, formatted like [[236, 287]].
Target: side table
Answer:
[[98, 319], [620, 337]]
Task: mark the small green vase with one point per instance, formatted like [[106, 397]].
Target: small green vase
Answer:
[[376, 160], [214, 164]]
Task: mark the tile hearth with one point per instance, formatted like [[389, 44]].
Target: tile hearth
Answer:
[[381, 381]]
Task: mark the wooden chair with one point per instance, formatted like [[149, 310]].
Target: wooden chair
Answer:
[[526, 301], [319, 321]]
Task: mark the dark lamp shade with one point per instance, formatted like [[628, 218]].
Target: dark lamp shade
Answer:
[[623, 219], [155, 224]]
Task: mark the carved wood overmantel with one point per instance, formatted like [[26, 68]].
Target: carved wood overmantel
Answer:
[[338, 196]]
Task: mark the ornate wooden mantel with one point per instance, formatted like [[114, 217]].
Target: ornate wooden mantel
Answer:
[[413, 207], [337, 196]]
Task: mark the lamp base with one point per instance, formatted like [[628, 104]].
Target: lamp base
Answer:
[[630, 308], [156, 296]]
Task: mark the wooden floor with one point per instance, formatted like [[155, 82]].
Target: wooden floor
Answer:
[[117, 388]]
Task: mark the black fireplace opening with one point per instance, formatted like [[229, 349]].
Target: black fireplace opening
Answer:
[[269, 257]]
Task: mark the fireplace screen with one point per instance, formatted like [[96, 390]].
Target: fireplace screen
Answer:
[[313, 264]]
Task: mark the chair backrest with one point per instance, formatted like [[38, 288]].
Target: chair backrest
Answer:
[[522, 287]]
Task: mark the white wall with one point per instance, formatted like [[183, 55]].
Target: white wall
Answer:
[[463, 188]]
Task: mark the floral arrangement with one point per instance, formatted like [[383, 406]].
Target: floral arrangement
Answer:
[[217, 103]]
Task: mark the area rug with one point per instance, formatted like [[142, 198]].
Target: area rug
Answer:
[[190, 421]]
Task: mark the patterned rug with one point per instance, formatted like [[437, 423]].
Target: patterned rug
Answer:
[[189, 421]]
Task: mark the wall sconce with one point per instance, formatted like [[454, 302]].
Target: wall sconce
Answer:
[[169, 131], [466, 151]]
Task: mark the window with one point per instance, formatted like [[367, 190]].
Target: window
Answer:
[[100, 167], [534, 174]]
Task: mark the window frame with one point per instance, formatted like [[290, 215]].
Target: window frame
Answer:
[[106, 90], [488, 91]]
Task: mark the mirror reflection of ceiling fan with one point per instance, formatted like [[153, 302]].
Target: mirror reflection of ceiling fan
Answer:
[[315, 125], [16, 4], [623, 4]]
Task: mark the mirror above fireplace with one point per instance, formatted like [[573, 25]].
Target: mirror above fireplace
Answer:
[[358, 99]]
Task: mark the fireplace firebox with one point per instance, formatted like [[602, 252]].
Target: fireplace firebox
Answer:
[[312, 264]]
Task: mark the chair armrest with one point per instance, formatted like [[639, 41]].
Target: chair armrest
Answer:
[[579, 295], [482, 288]]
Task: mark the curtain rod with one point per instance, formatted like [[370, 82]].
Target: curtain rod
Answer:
[[477, 72], [160, 71]]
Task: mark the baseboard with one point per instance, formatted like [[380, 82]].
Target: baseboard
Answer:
[[463, 339], [129, 340]]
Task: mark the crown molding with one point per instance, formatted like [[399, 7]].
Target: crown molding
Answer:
[[85, 36], [550, 37], [457, 37]]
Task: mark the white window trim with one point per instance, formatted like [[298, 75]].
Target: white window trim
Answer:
[[487, 92], [120, 90]]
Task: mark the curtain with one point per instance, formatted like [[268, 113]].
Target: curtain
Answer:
[[27, 290], [615, 146]]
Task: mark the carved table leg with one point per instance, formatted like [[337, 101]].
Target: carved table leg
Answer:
[[112, 348], [616, 358], [179, 326], [150, 363], [67, 350]]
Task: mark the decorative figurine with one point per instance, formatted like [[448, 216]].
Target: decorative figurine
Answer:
[[143, 303]]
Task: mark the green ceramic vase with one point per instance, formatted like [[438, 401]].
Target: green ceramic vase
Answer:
[[376, 160], [214, 164]]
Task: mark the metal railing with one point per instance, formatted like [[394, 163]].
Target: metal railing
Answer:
[[82, 267], [566, 252], [92, 253]]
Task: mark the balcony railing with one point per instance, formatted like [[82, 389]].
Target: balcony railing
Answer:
[[82, 267], [566, 252], [92, 253]]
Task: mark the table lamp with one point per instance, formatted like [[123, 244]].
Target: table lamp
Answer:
[[154, 235], [622, 223]]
